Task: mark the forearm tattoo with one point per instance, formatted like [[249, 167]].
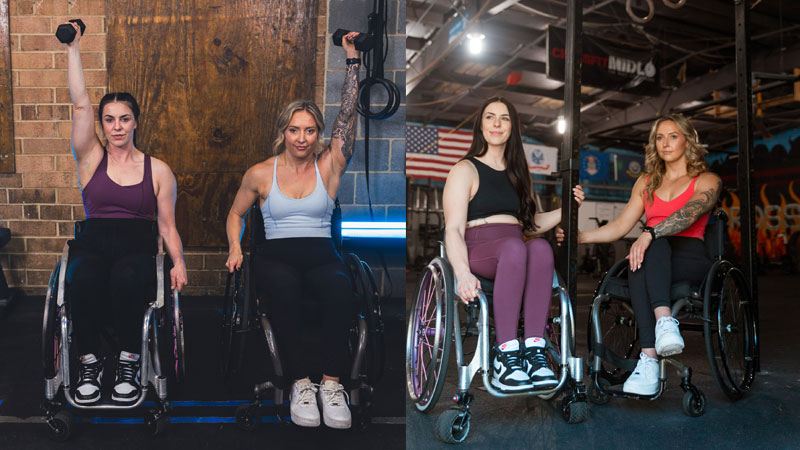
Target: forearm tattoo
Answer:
[[344, 126], [691, 211]]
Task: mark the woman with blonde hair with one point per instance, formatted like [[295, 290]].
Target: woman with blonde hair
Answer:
[[676, 194], [295, 190]]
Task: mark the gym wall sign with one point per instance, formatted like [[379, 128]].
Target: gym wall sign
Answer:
[[606, 64]]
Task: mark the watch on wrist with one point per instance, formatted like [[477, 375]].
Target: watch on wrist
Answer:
[[651, 231], [350, 61]]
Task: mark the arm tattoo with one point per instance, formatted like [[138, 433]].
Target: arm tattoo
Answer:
[[691, 211], [344, 126]]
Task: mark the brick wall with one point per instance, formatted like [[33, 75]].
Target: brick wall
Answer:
[[41, 201], [386, 143]]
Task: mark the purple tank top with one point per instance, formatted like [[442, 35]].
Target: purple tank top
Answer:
[[103, 198]]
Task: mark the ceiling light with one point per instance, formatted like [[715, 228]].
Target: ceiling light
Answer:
[[475, 42], [561, 125]]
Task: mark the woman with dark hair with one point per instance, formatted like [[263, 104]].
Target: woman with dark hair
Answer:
[[488, 209], [676, 194], [129, 197], [295, 190]]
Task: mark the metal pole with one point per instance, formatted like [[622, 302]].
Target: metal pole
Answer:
[[571, 145], [744, 104]]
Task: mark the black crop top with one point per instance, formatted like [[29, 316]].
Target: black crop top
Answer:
[[496, 194]]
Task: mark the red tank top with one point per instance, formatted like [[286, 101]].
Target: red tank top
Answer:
[[103, 198], [659, 210]]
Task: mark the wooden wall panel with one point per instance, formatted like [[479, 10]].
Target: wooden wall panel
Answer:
[[6, 106], [211, 77]]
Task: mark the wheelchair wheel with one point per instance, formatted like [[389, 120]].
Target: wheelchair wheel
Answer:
[[176, 342], [429, 334], [370, 307], [61, 426], [693, 405], [233, 320], [452, 427], [620, 335], [51, 327], [730, 333], [552, 333]]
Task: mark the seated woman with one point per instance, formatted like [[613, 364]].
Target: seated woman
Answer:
[[112, 260], [676, 194], [488, 205], [296, 191]]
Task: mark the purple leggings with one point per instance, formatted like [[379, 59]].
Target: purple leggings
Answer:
[[521, 271]]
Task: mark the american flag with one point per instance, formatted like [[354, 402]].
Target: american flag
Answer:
[[431, 152]]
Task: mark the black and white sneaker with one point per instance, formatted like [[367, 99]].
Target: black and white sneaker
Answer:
[[87, 390], [508, 373], [126, 386], [537, 368]]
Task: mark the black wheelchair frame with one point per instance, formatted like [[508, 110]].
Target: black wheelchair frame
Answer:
[[162, 336], [241, 315], [719, 307]]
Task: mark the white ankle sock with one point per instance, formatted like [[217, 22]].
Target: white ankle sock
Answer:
[[534, 342], [88, 358], [510, 346], [125, 356]]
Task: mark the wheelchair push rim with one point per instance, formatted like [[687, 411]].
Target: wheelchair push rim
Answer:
[[730, 333], [51, 328], [429, 335]]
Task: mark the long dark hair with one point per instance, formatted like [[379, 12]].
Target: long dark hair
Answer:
[[120, 97], [514, 155]]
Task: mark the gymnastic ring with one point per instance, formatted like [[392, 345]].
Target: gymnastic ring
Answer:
[[638, 19], [676, 5]]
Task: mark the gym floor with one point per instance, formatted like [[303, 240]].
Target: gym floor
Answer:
[[203, 407], [767, 417]]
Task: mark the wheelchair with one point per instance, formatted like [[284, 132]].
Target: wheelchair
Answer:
[[162, 355], [719, 307], [434, 324], [240, 316]]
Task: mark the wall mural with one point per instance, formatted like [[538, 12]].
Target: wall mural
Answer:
[[777, 200]]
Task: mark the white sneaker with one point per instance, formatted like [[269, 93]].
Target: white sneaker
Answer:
[[668, 337], [644, 379], [304, 410], [335, 411]]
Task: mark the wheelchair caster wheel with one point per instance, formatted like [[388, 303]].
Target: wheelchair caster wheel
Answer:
[[595, 395], [453, 426], [246, 419], [361, 418], [574, 412], [693, 405], [157, 421], [158, 425], [61, 426]]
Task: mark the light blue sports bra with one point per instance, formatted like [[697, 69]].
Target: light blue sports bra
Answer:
[[286, 217]]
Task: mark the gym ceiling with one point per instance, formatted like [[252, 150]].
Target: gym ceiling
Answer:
[[692, 47]]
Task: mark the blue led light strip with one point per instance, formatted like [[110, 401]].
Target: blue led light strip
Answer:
[[374, 229]]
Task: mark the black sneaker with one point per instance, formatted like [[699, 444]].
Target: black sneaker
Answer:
[[537, 368], [87, 390], [126, 386], [508, 373]]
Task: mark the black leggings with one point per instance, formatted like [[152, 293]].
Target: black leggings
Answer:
[[666, 261], [293, 271], [111, 277]]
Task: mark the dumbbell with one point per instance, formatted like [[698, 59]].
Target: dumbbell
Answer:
[[364, 42], [66, 32]]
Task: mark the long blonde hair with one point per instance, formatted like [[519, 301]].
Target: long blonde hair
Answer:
[[654, 166], [286, 116]]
